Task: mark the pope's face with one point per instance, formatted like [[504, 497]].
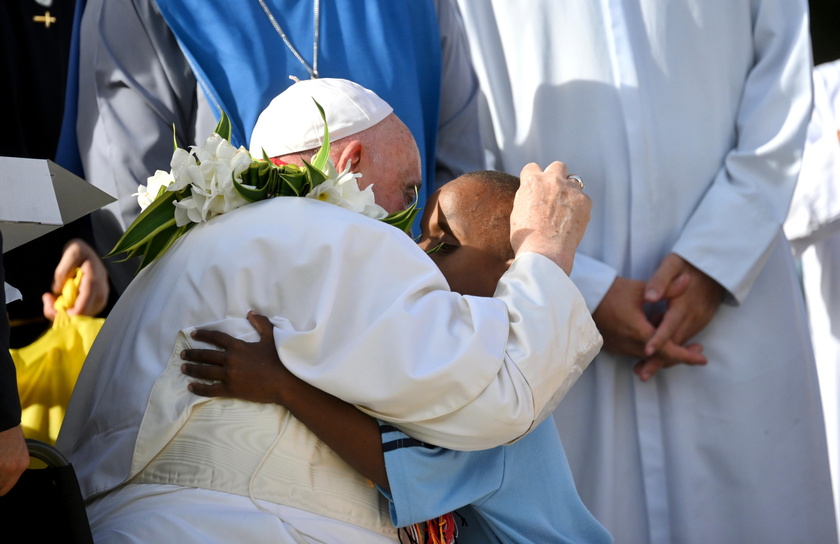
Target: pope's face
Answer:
[[472, 228], [392, 166], [397, 180]]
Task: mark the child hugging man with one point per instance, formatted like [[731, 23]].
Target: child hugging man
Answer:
[[518, 493]]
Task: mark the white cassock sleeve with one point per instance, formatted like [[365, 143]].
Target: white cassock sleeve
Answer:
[[815, 210], [480, 399], [751, 192]]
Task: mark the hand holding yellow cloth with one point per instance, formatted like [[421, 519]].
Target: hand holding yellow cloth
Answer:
[[47, 369]]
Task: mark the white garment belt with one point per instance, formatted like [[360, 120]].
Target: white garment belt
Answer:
[[262, 452]]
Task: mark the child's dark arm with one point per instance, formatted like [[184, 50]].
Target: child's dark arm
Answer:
[[254, 372]]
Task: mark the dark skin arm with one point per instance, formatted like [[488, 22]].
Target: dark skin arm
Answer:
[[254, 372]]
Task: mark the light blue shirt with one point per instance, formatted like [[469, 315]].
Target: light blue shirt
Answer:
[[519, 493]]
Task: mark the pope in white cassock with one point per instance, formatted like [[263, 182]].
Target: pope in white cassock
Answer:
[[360, 312], [688, 119]]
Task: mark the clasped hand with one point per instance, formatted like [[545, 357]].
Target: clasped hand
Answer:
[[662, 340]]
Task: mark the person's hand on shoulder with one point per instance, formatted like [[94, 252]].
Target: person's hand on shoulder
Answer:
[[94, 289], [249, 371], [14, 458]]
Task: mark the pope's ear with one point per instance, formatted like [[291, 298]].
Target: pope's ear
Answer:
[[352, 152]]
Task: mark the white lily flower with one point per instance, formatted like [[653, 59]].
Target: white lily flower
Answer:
[[326, 192], [186, 211], [181, 157], [207, 151], [343, 190], [211, 181], [240, 162], [146, 194], [214, 175]]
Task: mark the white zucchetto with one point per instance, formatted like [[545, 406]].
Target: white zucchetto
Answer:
[[292, 123]]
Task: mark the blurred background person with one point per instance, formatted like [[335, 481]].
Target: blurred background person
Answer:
[[813, 227], [687, 122], [14, 455], [36, 53]]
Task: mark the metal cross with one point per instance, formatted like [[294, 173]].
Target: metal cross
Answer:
[[46, 18]]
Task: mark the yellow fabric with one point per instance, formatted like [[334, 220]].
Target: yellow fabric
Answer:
[[47, 368]]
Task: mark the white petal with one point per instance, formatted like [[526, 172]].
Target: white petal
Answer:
[[182, 211]]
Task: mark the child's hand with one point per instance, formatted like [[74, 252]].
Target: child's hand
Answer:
[[241, 370]]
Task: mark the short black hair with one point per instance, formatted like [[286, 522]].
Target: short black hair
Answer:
[[505, 183]]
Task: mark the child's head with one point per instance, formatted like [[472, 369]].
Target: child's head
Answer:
[[469, 218]]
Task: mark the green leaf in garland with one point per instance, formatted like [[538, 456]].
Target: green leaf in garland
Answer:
[[314, 176], [435, 249], [292, 182], [403, 219], [148, 222], [223, 128], [163, 239], [319, 161], [250, 193], [251, 176], [255, 185]]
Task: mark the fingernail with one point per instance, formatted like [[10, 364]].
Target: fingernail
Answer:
[[193, 333], [651, 294]]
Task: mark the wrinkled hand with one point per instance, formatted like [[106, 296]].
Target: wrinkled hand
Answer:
[[550, 214], [94, 288], [14, 458], [692, 297], [249, 371], [627, 330]]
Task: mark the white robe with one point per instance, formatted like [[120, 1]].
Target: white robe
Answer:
[[360, 312], [812, 227], [686, 121]]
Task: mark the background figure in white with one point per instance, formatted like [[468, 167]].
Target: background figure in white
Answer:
[[687, 122], [813, 227]]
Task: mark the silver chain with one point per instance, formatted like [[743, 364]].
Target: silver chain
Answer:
[[313, 70]]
